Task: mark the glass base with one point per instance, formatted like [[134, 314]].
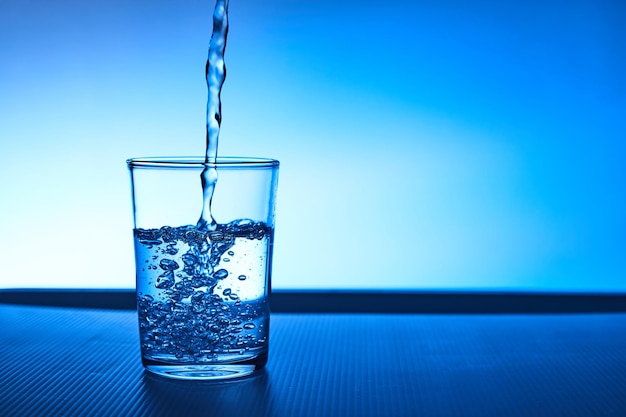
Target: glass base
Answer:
[[206, 371]]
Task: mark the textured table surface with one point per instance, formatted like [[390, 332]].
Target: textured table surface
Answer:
[[81, 362]]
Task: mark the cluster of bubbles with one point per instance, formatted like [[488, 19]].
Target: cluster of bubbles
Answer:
[[186, 318], [202, 329]]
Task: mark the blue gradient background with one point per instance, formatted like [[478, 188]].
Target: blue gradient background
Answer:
[[447, 145]]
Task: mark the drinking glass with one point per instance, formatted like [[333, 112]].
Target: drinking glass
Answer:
[[202, 291]]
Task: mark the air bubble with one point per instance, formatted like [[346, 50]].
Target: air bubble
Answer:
[[197, 298], [242, 277], [164, 282], [197, 282], [222, 320], [230, 252], [193, 236], [249, 326], [168, 264], [189, 259], [150, 243], [220, 274], [171, 249]]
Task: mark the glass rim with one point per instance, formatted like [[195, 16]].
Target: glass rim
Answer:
[[196, 162]]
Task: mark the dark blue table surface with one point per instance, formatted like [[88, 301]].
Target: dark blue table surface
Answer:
[[85, 362]]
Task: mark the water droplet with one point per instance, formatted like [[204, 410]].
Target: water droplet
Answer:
[[242, 277], [226, 259], [249, 326], [227, 292], [231, 253]]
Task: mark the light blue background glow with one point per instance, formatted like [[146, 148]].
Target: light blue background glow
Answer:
[[423, 144]]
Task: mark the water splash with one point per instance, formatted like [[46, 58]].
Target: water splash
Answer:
[[215, 75]]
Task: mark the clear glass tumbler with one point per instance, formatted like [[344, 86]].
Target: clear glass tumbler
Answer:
[[202, 293]]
